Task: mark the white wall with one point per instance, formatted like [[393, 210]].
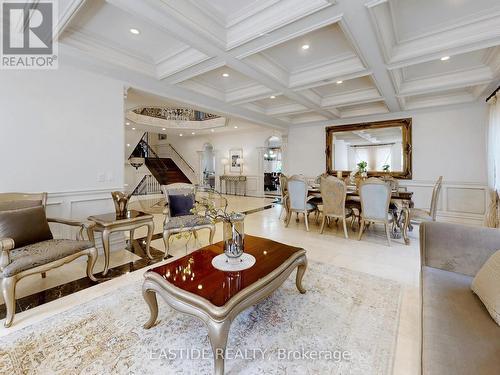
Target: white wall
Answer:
[[253, 144], [447, 141], [62, 132]]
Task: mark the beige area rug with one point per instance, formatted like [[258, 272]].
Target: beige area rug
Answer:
[[346, 323]]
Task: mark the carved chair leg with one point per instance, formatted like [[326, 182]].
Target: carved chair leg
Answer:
[[323, 224], [306, 219], [388, 234], [166, 242], [92, 258], [361, 229], [345, 228], [212, 233], [8, 285]]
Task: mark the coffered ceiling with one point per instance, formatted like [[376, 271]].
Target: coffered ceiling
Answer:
[[284, 62]]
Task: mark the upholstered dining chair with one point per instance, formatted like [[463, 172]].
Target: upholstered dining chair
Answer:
[[298, 199], [333, 192], [418, 215], [375, 197], [27, 246], [284, 194], [180, 200]]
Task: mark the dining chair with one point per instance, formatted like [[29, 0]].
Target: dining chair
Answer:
[[418, 215], [375, 197], [333, 191], [298, 200], [284, 193]]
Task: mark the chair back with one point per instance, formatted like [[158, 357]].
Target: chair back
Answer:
[[297, 192], [12, 201], [179, 188], [392, 182], [435, 197], [375, 197], [333, 193], [283, 185]]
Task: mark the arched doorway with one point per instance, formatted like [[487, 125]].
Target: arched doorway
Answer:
[[208, 166], [273, 165]]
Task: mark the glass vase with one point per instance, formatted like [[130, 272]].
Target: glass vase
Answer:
[[233, 233]]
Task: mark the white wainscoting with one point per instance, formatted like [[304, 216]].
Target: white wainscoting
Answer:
[[79, 205]]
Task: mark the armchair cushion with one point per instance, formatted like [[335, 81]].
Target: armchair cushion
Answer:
[[181, 204], [37, 254], [186, 221], [25, 225]]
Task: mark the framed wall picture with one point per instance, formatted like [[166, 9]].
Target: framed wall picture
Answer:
[[235, 157]]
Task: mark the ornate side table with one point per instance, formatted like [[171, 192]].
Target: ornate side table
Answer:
[[235, 182], [109, 223]]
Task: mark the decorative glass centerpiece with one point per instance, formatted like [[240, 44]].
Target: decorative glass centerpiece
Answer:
[[121, 201], [214, 207]]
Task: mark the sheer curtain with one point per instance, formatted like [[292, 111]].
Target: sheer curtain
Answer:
[[493, 147]]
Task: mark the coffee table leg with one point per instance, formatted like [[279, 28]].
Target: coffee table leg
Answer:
[[150, 298], [105, 245], [218, 332], [151, 228], [301, 269]]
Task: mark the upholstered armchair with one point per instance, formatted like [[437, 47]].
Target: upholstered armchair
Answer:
[[333, 192], [375, 197], [298, 200], [180, 200], [284, 194], [27, 246]]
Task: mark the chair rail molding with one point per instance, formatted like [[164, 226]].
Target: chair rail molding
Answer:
[[79, 205]]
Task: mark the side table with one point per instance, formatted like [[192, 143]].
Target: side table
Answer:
[[109, 223]]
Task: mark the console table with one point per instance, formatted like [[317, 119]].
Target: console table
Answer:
[[235, 182]]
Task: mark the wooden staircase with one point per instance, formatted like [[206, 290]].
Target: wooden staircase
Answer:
[[165, 171]]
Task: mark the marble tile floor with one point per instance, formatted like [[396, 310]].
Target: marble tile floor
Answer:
[[370, 255]]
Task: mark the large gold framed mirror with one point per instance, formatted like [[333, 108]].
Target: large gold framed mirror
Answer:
[[383, 146]]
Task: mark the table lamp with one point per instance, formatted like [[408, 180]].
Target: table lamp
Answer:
[[224, 162], [239, 161]]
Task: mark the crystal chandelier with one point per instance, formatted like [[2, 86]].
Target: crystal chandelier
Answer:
[[177, 114]]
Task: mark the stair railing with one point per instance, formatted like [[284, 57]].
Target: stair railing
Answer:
[[180, 156], [147, 185]]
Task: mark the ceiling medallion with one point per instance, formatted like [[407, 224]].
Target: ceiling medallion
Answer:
[[175, 114]]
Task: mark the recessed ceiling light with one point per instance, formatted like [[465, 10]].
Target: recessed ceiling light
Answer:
[[128, 144], [445, 58], [272, 97], [225, 75], [135, 31], [340, 82], [164, 129], [180, 135], [127, 123], [305, 46], [212, 130], [193, 133], [236, 127], [133, 128]]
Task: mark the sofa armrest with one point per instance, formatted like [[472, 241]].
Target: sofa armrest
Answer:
[[457, 248], [87, 226], [6, 244]]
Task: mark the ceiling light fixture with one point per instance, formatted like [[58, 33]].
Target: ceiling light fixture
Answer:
[[127, 123], [445, 58], [225, 75], [135, 31], [272, 97], [180, 135], [340, 82], [164, 129], [305, 47], [128, 144], [236, 127], [133, 128], [212, 130], [193, 133]]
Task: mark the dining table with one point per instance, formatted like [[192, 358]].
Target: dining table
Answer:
[[401, 201]]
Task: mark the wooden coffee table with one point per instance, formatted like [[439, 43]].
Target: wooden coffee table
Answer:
[[193, 286]]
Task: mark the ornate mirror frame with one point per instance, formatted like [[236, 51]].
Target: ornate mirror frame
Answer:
[[404, 123]]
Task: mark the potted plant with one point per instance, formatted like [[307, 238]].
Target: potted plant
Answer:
[[386, 168], [362, 168]]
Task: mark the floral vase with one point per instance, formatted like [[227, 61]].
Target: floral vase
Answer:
[[234, 237], [121, 203]]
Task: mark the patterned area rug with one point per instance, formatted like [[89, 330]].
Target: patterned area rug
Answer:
[[346, 323]]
